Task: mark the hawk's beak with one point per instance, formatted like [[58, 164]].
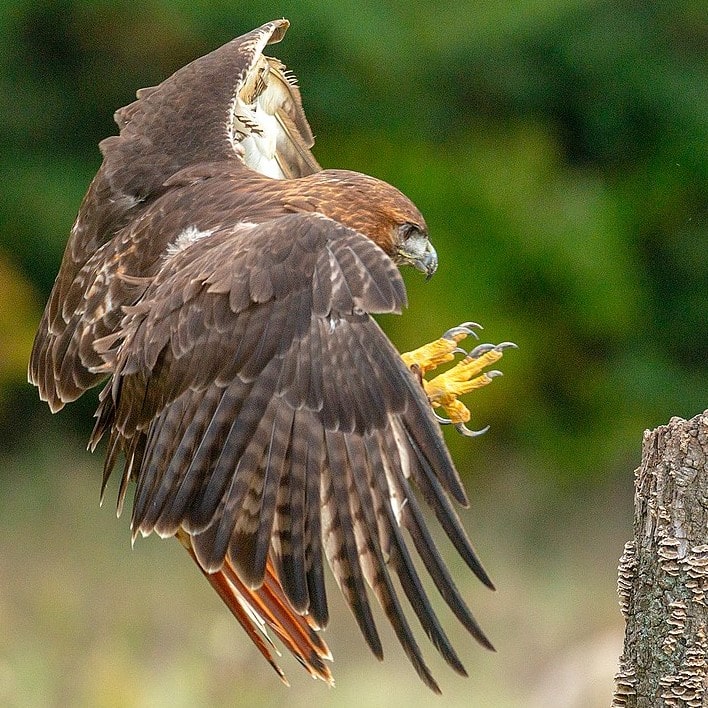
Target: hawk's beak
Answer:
[[428, 262], [419, 252]]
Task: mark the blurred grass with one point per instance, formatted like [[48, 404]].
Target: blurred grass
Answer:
[[558, 151], [88, 622]]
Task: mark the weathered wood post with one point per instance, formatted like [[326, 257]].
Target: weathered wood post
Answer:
[[663, 572]]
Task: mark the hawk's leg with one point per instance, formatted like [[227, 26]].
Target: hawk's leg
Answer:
[[444, 390]]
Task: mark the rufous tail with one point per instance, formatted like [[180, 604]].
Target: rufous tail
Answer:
[[265, 607]]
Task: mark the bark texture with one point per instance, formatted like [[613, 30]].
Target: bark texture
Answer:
[[663, 572]]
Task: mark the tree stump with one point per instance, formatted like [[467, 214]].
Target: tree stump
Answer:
[[663, 572]]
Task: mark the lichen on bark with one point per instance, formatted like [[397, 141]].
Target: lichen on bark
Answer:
[[663, 573]]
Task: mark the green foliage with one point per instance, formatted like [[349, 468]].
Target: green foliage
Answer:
[[556, 147]]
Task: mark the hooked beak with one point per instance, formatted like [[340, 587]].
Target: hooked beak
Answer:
[[419, 252]]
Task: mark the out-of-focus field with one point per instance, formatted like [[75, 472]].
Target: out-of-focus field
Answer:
[[88, 622]]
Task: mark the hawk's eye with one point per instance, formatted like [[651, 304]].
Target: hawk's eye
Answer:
[[407, 230]]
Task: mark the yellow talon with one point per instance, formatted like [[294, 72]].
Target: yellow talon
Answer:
[[443, 390], [430, 356], [441, 351]]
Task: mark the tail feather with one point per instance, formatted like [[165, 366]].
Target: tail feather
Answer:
[[265, 607]]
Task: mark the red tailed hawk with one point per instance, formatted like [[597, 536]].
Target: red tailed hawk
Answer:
[[223, 283]]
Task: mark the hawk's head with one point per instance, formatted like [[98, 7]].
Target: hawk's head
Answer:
[[377, 210]]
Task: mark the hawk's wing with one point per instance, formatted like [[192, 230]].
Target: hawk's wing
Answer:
[[233, 105], [262, 410]]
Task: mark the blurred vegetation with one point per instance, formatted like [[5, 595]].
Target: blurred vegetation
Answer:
[[556, 147], [558, 150]]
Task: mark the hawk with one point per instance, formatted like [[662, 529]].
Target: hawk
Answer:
[[223, 284]]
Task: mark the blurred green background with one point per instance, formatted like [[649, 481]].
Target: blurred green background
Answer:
[[558, 151]]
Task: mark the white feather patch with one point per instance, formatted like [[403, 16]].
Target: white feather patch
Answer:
[[397, 501], [186, 238], [253, 129]]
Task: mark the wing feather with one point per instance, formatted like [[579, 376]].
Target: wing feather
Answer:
[[371, 552], [203, 507], [339, 540], [317, 608], [186, 465], [383, 489], [288, 542], [251, 537], [435, 496]]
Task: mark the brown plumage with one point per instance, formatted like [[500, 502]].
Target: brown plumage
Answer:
[[224, 284]]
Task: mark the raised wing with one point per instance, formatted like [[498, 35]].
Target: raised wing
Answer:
[[263, 412], [233, 105]]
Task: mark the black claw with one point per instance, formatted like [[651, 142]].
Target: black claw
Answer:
[[441, 420], [464, 430], [464, 328], [506, 345], [494, 373], [481, 349]]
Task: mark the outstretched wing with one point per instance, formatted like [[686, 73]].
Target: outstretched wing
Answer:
[[264, 412], [233, 105]]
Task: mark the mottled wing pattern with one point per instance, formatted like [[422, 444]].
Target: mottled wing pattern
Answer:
[[262, 410], [232, 105]]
